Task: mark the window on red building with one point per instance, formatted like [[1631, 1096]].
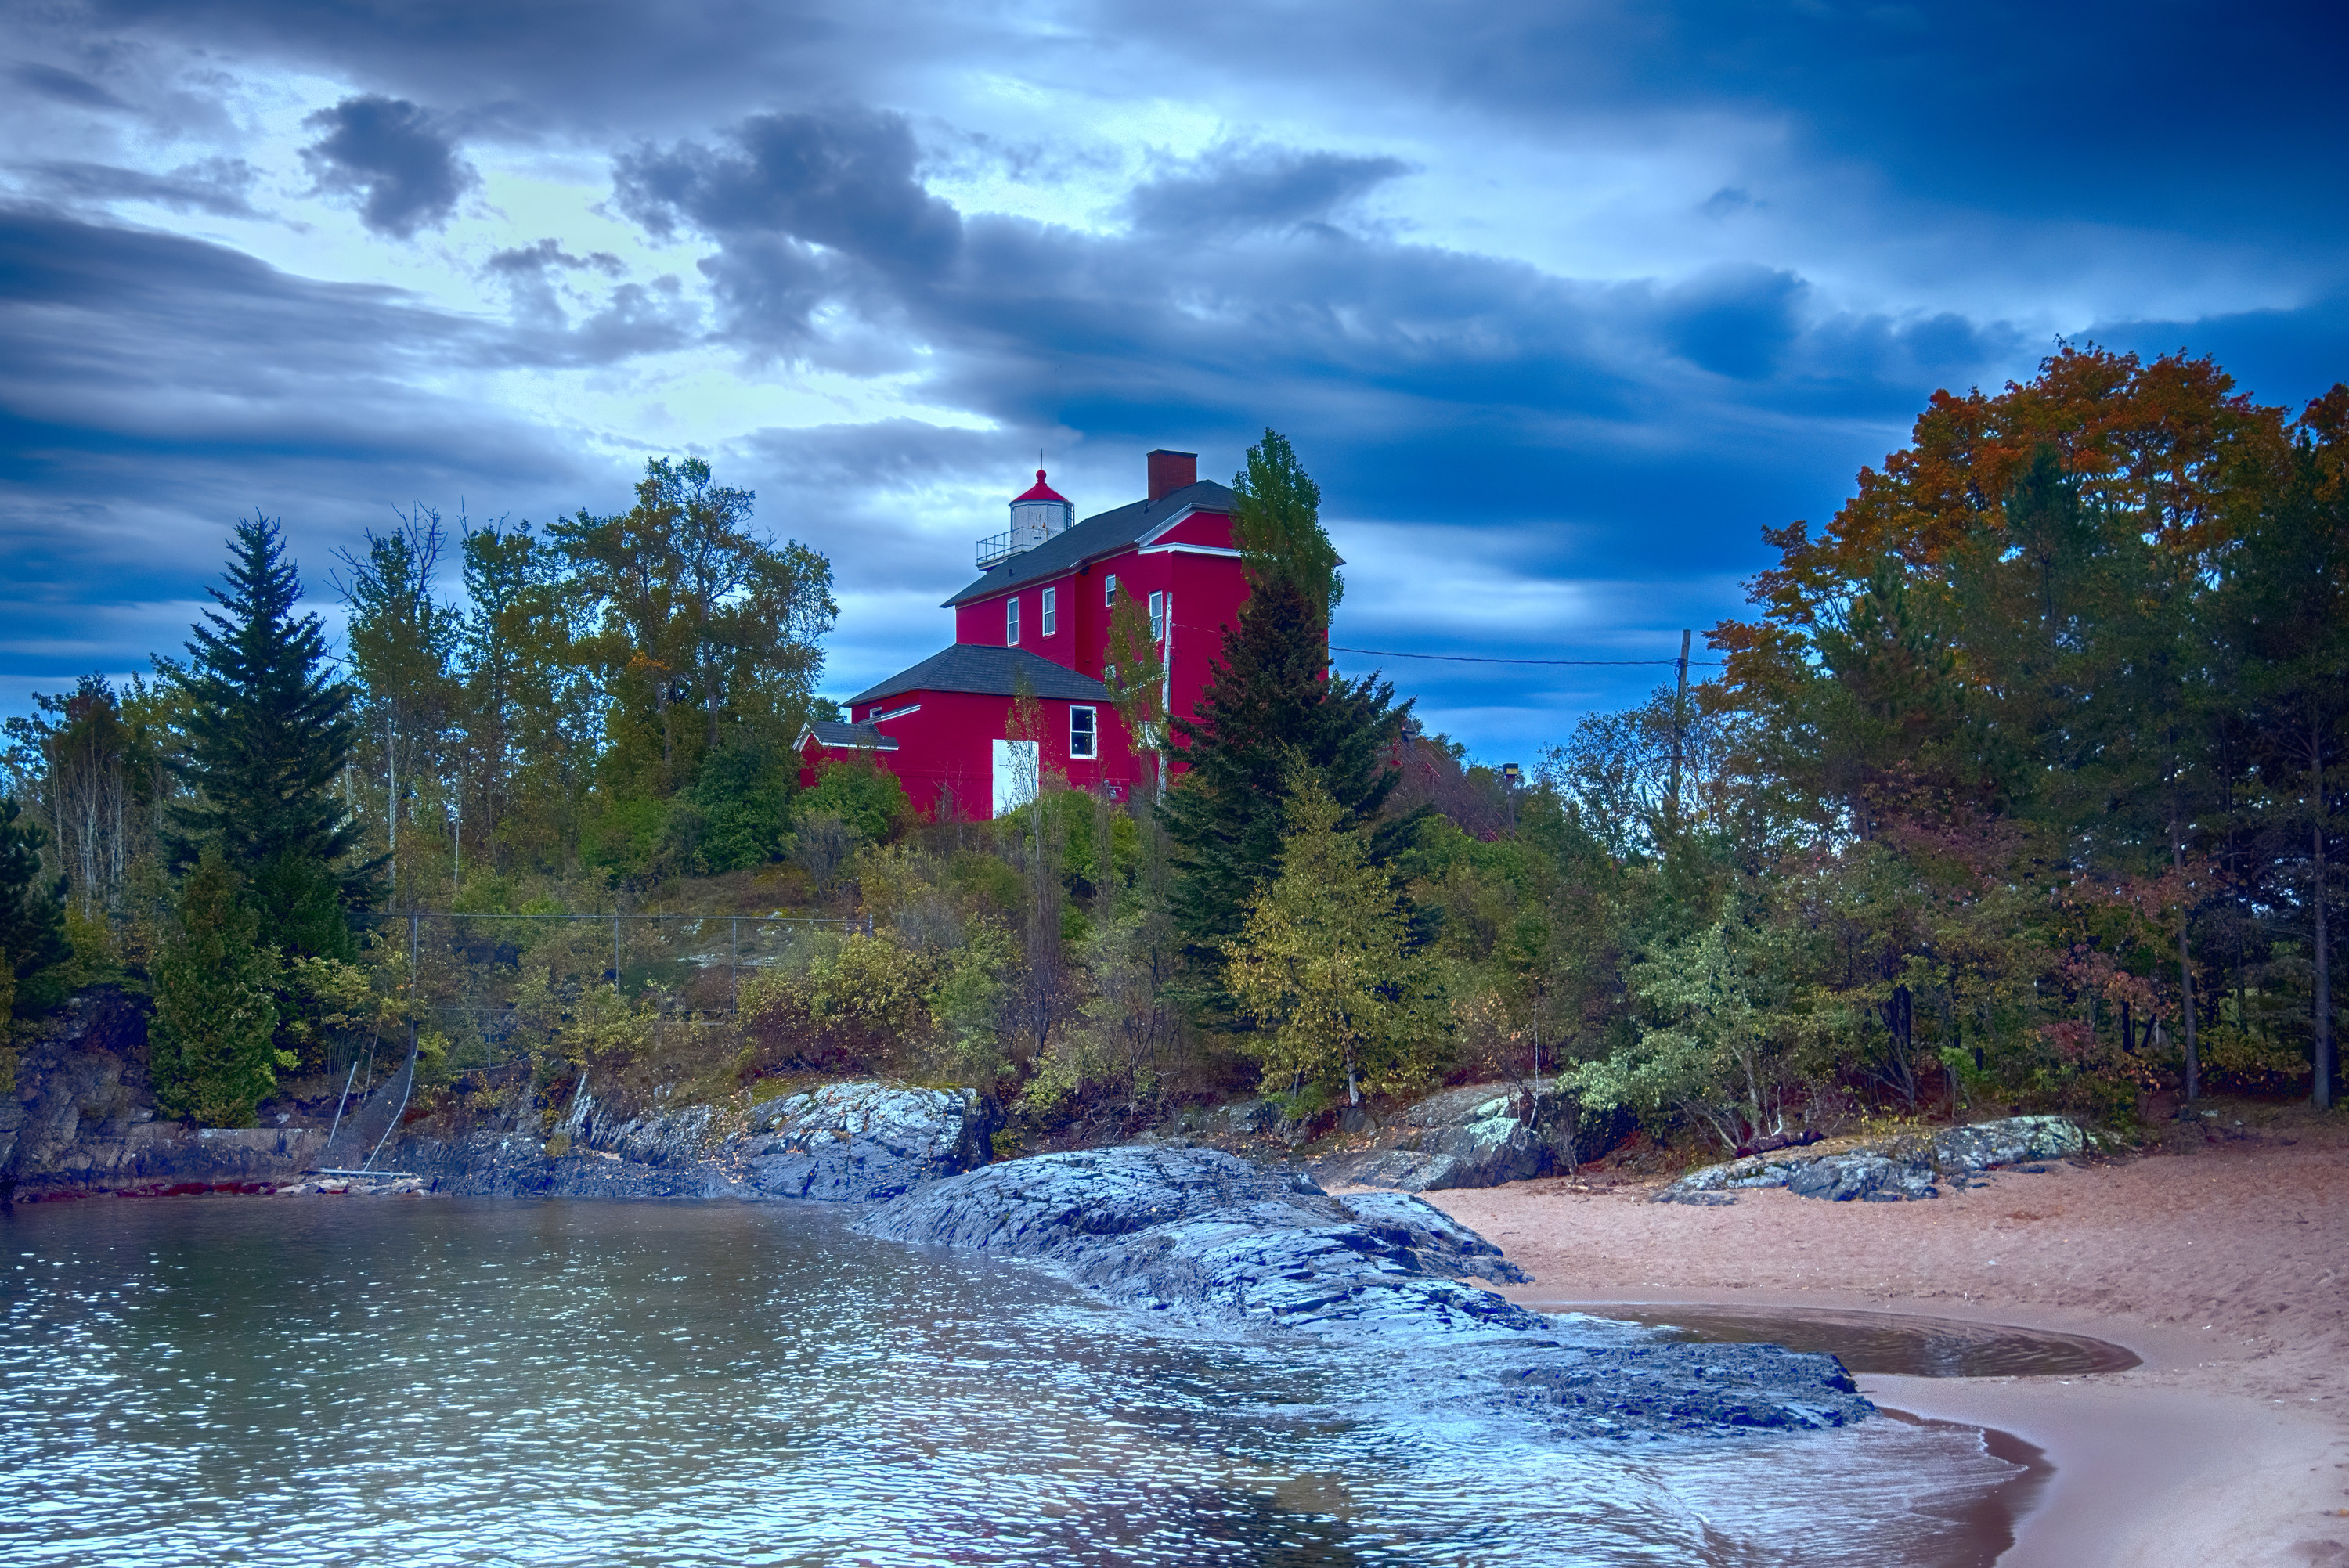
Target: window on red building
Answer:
[[1051, 611], [1012, 622], [1083, 733]]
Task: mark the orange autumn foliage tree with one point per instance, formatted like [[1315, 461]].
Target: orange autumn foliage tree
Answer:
[[2105, 604], [2158, 444]]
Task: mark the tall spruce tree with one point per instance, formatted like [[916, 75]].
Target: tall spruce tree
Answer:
[[1269, 699], [268, 732]]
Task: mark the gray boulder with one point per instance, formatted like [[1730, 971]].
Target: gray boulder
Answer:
[[1876, 1178], [1892, 1172], [2016, 1141], [1480, 1135], [1238, 1247], [868, 1142]]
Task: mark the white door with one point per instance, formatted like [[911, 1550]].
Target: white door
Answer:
[[1016, 763]]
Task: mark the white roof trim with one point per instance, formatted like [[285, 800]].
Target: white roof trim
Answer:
[[893, 713], [1189, 550]]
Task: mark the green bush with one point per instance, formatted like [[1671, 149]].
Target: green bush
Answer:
[[862, 1004], [214, 1054], [863, 795]]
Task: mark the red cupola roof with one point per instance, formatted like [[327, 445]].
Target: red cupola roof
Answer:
[[1041, 491]]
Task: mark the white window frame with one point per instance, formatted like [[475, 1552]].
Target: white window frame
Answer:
[[1051, 616], [1158, 617], [1093, 733], [1109, 592], [1012, 622]]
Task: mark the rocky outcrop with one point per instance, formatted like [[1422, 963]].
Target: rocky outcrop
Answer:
[[82, 1121], [1478, 1136], [842, 1143], [1237, 1246], [863, 1143], [1890, 1171], [82, 1118]]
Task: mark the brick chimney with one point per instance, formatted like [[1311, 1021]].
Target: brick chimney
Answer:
[[1171, 471]]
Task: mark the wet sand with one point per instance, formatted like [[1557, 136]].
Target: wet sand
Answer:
[[2223, 1261]]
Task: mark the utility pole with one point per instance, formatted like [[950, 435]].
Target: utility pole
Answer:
[[1679, 735]]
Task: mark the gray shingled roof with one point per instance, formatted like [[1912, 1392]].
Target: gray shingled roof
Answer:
[[1103, 534], [980, 668], [837, 732]]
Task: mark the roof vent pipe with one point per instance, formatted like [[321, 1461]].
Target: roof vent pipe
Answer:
[[1171, 471]]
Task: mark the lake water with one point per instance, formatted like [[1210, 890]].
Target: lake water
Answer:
[[334, 1380]]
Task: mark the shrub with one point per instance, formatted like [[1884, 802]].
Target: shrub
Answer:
[[863, 795], [214, 1055], [862, 1004]]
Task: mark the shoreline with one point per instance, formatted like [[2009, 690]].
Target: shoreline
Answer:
[[2228, 1445], [2145, 1469]]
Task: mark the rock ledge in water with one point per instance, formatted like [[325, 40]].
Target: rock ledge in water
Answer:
[[1227, 1242], [842, 1143]]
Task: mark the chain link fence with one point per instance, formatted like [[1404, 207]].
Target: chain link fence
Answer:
[[471, 994]]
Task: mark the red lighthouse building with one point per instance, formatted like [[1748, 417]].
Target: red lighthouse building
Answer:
[[1040, 609]]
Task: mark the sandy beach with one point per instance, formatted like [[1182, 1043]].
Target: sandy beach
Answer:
[[2221, 1258]]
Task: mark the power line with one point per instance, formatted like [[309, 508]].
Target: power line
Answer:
[[1480, 659]]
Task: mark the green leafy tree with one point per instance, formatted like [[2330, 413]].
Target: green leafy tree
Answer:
[[741, 805], [1325, 965], [268, 731], [1135, 674], [529, 711], [399, 639], [2286, 617], [33, 948], [213, 1037], [866, 797], [1707, 1052], [1278, 525], [700, 623]]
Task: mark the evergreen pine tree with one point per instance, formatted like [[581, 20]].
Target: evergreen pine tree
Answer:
[[1268, 698], [268, 731]]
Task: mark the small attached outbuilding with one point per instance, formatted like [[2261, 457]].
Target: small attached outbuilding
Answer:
[[947, 728]]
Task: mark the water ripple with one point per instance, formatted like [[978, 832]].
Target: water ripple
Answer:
[[331, 1381]]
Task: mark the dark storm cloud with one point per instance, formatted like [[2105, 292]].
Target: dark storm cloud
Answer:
[[1234, 190], [214, 185], [63, 85], [609, 68], [153, 388], [1737, 321], [843, 179], [2171, 115], [390, 153], [809, 210], [548, 254]]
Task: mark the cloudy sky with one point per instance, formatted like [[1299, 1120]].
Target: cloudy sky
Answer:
[[1560, 302]]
